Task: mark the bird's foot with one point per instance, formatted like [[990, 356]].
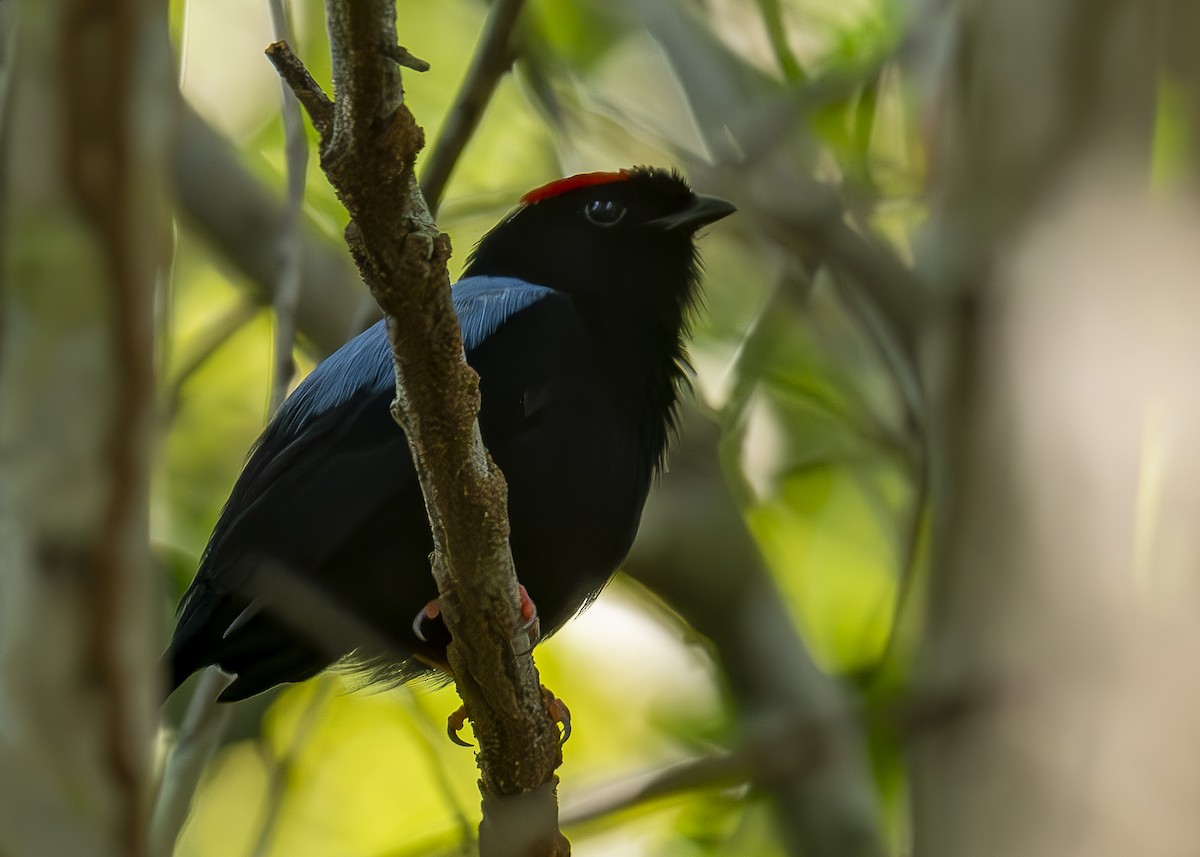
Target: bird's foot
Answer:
[[427, 632], [558, 711], [421, 625], [454, 724], [555, 707], [532, 625]]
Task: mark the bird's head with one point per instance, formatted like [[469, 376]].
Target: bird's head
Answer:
[[621, 237]]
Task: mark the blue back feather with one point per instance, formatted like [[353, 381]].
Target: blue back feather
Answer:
[[484, 303], [364, 364]]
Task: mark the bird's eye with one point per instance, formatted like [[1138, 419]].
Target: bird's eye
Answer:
[[604, 212]]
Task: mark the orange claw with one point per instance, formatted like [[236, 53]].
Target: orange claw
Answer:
[[555, 707], [428, 613], [558, 711], [531, 624], [454, 724]]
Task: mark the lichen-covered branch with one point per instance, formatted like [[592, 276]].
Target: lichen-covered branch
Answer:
[[367, 152]]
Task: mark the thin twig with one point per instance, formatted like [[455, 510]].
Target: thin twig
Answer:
[[401, 56], [209, 341], [782, 750], [715, 771], [910, 556], [9, 20], [199, 734], [432, 736], [233, 209], [278, 765], [491, 62], [772, 15], [287, 291], [307, 91]]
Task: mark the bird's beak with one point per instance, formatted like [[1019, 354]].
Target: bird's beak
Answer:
[[701, 211]]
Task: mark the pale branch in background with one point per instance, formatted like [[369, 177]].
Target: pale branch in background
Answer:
[[191, 749], [232, 208], [774, 749], [1069, 583], [278, 765], [200, 731], [777, 32], [207, 343], [96, 130], [78, 592], [1052, 372], [287, 293], [491, 61]]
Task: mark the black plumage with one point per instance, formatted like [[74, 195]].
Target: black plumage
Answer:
[[573, 311]]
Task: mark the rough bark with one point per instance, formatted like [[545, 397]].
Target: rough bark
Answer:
[[369, 141]]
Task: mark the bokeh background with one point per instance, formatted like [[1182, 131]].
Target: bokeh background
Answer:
[[813, 434], [923, 577]]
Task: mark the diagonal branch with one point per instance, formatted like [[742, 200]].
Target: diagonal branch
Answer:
[[232, 209], [367, 153], [307, 91], [490, 63], [287, 289]]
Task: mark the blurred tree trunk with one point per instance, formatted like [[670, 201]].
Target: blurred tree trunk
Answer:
[[84, 232], [1063, 609]]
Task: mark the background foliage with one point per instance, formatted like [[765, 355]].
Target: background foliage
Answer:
[[810, 416], [922, 578]]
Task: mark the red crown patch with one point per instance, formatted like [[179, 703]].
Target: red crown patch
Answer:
[[561, 186]]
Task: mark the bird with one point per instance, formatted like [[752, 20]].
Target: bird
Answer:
[[574, 311]]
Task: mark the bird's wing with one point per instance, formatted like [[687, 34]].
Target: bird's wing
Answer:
[[329, 417], [333, 441], [330, 459], [485, 303]]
